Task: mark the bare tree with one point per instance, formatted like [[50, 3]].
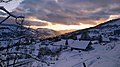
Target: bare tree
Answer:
[[9, 53], [5, 1], [11, 15]]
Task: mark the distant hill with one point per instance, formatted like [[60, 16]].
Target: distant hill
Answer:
[[111, 25], [41, 33], [45, 33]]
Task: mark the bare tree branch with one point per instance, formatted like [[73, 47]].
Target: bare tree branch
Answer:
[[5, 1], [31, 56], [16, 17]]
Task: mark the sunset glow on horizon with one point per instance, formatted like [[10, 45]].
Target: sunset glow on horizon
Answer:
[[65, 14], [57, 26]]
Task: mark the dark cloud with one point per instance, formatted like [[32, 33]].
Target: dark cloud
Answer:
[[26, 22], [70, 12], [35, 23]]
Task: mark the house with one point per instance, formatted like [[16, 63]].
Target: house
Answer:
[[95, 42], [53, 48], [63, 44], [70, 41], [60, 43], [81, 45]]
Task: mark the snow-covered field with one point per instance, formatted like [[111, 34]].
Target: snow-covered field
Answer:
[[102, 56]]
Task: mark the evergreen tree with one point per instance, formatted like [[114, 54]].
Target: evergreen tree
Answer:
[[85, 36], [100, 38], [66, 42]]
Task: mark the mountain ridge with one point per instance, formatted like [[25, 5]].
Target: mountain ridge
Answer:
[[77, 32]]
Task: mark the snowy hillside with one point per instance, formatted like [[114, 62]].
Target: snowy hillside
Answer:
[[93, 47], [104, 52], [41, 33], [113, 22], [102, 56]]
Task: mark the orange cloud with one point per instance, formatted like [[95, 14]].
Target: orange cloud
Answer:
[[59, 27], [113, 17]]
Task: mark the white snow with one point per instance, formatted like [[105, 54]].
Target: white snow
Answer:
[[100, 57], [62, 42], [80, 44], [78, 36], [70, 41]]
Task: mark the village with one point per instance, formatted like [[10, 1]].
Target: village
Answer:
[[23, 46], [87, 43], [51, 50]]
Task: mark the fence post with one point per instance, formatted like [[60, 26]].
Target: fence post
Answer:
[[84, 64]]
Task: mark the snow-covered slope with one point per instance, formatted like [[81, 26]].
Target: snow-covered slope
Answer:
[[40, 32], [102, 56], [105, 43]]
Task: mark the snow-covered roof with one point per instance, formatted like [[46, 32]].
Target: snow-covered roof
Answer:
[[70, 41], [50, 47], [80, 44], [95, 41], [62, 42], [53, 48]]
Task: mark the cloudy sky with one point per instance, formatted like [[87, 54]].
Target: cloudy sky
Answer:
[[65, 14]]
